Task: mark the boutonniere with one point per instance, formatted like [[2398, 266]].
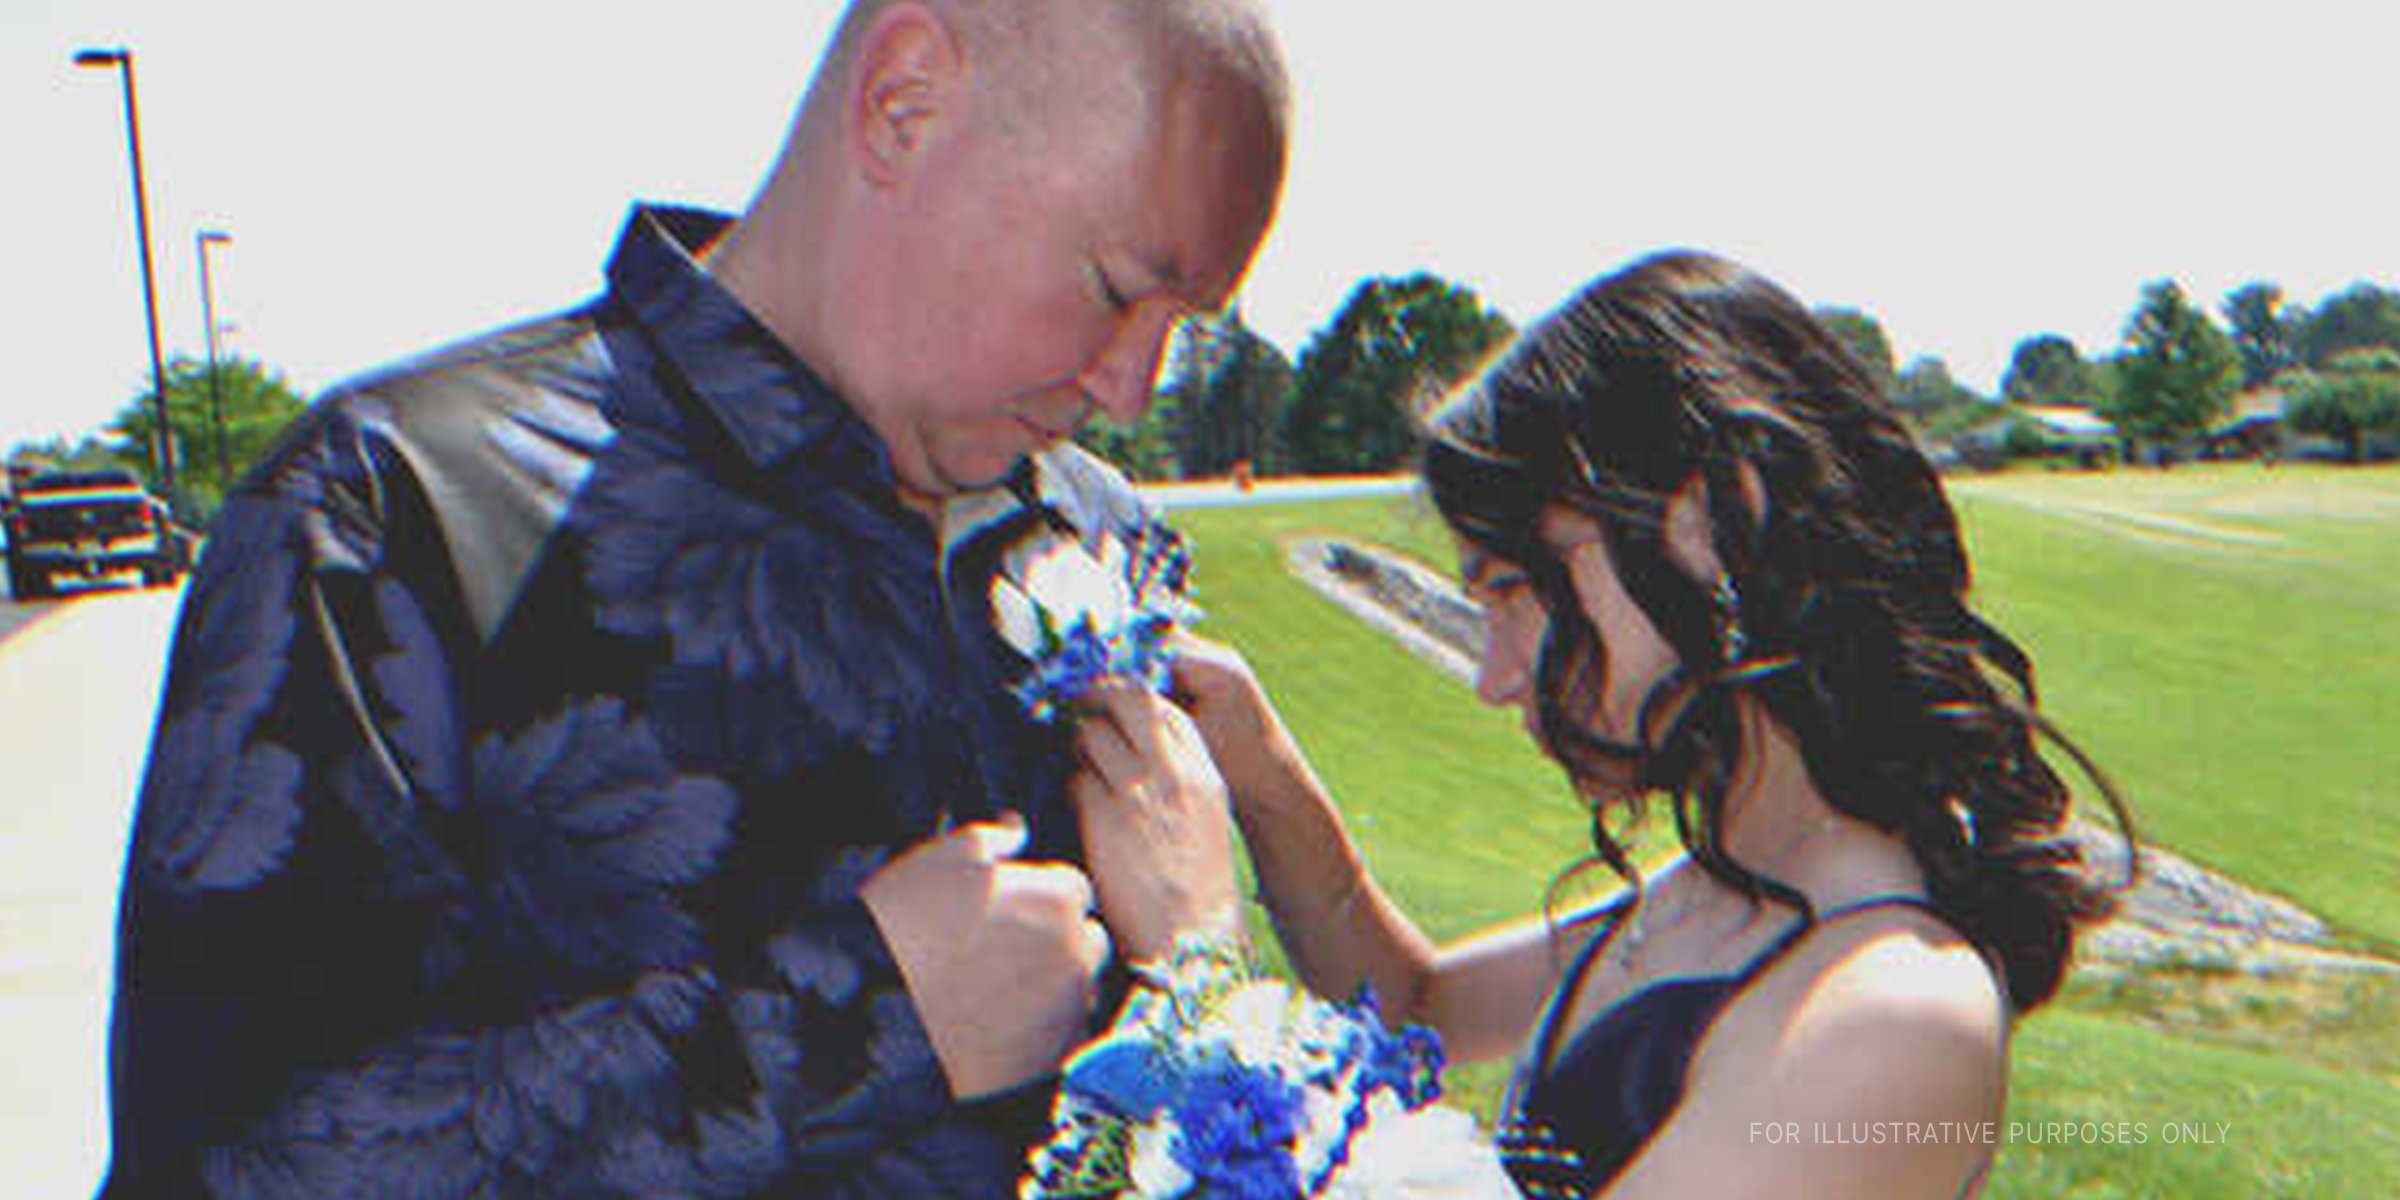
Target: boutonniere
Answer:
[[1081, 610]]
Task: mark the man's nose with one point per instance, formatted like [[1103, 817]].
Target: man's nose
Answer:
[[1123, 376]]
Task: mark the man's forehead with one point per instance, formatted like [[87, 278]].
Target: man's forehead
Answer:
[[1221, 174]]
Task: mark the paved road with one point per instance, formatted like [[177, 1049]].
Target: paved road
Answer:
[[78, 691], [15, 616]]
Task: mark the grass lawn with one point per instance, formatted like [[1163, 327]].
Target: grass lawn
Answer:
[[2219, 638], [1465, 822], [2289, 1127], [2223, 640]]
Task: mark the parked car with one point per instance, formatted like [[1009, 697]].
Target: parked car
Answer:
[[89, 526]]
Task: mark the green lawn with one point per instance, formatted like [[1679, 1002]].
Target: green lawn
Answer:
[[2226, 642], [2219, 638], [2294, 1128], [1465, 823]]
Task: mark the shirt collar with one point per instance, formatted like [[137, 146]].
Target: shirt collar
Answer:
[[1064, 484], [769, 403]]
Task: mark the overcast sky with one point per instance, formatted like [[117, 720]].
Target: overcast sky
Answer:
[[397, 175]]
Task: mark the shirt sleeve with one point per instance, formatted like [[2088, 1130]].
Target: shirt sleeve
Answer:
[[260, 928], [367, 948]]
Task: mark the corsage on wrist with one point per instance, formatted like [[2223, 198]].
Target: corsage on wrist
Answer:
[[1215, 1083]]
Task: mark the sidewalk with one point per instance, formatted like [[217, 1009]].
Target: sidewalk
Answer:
[[78, 693]]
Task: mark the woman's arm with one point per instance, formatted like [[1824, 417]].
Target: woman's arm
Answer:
[[1338, 928]]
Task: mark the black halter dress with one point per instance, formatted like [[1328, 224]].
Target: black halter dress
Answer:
[[1576, 1117]]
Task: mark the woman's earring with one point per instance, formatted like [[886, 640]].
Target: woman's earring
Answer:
[[1730, 638]]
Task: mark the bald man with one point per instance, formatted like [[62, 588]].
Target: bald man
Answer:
[[586, 767]]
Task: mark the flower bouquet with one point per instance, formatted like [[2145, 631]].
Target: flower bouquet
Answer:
[[1214, 1084]]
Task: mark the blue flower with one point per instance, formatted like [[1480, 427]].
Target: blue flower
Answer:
[[1236, 1128], [1215, 1085], [1408, 1062], [1123, 1077]]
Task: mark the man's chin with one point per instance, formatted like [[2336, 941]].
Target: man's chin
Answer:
[[970, 473]]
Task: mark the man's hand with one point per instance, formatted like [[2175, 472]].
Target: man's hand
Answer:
[[1156, 831], [1002, 957]]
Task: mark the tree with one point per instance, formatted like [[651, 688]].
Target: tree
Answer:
[[2178, 371], [1144, 451], [1928, 398], [1395, 344], [87, 453], [2261, 332], [2047, 369], [1233, 391], [2108, 378], [2365, 316], [218, 431], [1864, 337], [1221, 402], [2356, 397]]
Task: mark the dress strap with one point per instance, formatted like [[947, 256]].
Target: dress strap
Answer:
[[1784, 942], [1545, 1038]]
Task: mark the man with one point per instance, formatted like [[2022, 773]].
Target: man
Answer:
[[586, 769]]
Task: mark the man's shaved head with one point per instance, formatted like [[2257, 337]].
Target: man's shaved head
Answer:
[[992, 214], [1110, 56]]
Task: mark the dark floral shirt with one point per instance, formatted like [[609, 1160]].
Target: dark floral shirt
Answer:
[[534, 717]]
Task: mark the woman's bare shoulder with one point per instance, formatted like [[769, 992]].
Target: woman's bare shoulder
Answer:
[[1877, 1048], [1894, 1000]]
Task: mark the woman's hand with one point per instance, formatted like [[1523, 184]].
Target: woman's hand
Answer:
[[1157, 835], [1245, 736]]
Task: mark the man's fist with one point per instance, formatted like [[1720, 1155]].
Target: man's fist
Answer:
[[1002, 957]]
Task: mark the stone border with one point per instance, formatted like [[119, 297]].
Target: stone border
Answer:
[[2180, 914], [1397, 598]]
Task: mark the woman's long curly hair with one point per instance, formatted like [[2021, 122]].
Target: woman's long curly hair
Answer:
[[1845, 578]]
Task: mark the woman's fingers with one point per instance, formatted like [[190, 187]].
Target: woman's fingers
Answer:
[[1107, 751], [1190, 653], [1156, 830], [1148, 722]]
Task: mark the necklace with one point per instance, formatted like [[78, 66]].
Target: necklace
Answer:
[[1639, 927]]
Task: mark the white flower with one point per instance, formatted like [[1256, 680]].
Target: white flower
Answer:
[[1152, 1167], [1256, 1021], [1057, 575], [1328, 1112], [1434, 1153]]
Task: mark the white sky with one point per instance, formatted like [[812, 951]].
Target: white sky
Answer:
[[396, 175]]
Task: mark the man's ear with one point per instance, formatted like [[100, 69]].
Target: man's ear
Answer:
[[907, 75]]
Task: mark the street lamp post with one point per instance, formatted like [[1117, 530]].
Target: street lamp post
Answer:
[[122, 59], [216, 396]]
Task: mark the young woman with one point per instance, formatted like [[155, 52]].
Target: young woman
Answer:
[[1715, 568]]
